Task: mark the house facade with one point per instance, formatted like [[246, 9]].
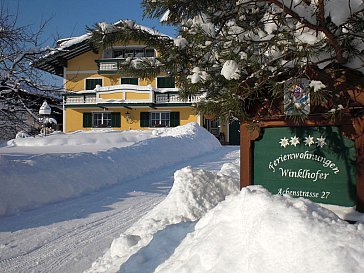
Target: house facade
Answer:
[[99, 95]]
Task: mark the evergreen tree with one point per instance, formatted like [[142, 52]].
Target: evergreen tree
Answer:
[[242, 53]]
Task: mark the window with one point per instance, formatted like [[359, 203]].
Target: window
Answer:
[[101, 120], [159, 119], [149, 52], [129, 52], [133, 52], [133, 81], [139, 52], [91, 83], [166, 82], [118, 53]]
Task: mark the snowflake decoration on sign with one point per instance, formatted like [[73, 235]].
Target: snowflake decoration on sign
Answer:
[[321, 141], [284, 142], [309, 141], [294, 141]]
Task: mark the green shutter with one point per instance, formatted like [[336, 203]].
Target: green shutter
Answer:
[[115, 119], [144, 119], [174, 119], [87, 120]]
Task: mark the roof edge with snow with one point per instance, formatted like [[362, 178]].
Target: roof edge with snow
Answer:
[[68, 48]]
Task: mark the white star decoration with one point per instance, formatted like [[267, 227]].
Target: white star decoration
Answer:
[[284, 142], [309, 141], [321, 141], [294, 141]]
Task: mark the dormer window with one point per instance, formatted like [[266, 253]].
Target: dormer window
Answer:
[[129, 51]]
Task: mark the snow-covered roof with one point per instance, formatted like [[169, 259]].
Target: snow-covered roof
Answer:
[[68, 48]]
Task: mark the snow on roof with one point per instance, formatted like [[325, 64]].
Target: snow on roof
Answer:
[[68, 42], [68, 47]]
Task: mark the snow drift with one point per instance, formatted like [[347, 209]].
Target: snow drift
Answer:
[[28, 181], [251, 231], [194, 192]]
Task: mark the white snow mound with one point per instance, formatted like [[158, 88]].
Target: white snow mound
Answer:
[[252, 231], [28, 181], [256, 231], [194, 192]]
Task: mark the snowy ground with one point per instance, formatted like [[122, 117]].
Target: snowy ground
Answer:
[[68, 236], [37, 171], [172, 218]]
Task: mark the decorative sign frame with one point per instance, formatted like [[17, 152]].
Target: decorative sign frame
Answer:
[[317, 163], [352, 129]]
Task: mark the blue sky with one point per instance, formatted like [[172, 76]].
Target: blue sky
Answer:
[[69, 18]]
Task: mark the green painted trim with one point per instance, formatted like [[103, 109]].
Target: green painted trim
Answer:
[[172, 104], [108, 72]]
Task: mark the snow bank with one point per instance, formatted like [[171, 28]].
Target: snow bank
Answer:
[[28, 181], [194, 192], [79, 141], [258, 232], [251, 231]]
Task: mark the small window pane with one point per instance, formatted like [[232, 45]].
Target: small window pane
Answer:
[[139, 52], [118, 53], [133, 81], [149, 53], [129, 53], [166, 82], [91, 83], [160, 119], [101, 120]]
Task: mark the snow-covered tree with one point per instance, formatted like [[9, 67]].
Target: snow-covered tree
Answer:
[[22, 87], [242, 53]]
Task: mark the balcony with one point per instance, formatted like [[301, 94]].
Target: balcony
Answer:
[[127, 94], [175, 98], [109, 66], [83, 99], [113, 65]]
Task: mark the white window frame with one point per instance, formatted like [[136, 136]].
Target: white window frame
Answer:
[[102, 119], [159, 119]]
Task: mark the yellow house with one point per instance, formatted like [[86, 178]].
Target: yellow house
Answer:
[[99, 95]]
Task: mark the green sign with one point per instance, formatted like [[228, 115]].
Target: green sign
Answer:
[[316, 163]]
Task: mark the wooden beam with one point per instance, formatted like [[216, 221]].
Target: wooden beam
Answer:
[[247, 135], [358, 124]]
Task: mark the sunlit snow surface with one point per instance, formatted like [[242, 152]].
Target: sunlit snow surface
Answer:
[[37, 171], [195, 230], [204, 224]]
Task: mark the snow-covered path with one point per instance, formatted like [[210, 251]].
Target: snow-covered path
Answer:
[[70, 235]]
